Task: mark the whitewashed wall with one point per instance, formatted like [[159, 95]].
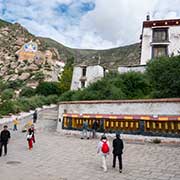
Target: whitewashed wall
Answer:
[[173, 47], [129, 107], [93, 73], [76, 84], [146, 49], [135, 69], [174, 37]]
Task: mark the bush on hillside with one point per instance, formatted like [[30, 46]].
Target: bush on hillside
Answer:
[[163, 74], [48, 88], [27, 92], [3, 85], [39, 76], [7, 94], [25, 104], [15, 84], [67, 96], [6, 108], [51, 99]]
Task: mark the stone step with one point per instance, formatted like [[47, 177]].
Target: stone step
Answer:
[[44, 119], [48, 115], [51, 111]]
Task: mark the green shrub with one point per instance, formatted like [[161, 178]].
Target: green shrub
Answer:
[[51, 99], [135, 85], [39, 76], [27, 92], [7, 107], [15, 84], [7, 94], [3, 85], [67, 96], [103, 89], [36, 101], [48, 88], [163, 74]]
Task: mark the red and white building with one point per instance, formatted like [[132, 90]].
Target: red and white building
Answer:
[[160, 38]]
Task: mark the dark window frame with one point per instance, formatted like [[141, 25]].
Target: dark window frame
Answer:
[[84, 71], [159, 46], [82, 84], [156, 30]]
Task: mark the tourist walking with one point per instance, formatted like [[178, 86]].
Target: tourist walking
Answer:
[[15, 123], [4, 139], [85, 130], [33, 133], [35, 116], [30, 138], [94, 128], [103, 149], [117, 151]]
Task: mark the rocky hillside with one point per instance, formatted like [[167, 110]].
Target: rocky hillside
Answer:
[[45, 64]]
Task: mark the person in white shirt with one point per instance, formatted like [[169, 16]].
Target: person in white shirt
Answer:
[[103, 149]]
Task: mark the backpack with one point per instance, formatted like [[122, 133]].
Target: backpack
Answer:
[[105, 147]]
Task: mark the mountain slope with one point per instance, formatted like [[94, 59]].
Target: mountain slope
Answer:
[[110, 58]]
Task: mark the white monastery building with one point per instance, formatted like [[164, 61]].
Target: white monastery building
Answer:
[[160, 38], [84, 75]]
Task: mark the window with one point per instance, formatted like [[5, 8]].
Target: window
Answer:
[[160, 50], [160, 35], [82, 84], [84, 71]]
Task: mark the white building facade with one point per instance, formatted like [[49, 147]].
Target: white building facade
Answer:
[[84, 75], [160, 38]]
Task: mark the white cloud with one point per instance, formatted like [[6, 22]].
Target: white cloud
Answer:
[[110, 24]]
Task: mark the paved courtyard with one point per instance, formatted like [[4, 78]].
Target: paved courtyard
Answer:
[[58, 157]]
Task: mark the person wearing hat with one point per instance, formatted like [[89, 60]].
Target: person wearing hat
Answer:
[[103, 148], [4, 139], [117, 151]]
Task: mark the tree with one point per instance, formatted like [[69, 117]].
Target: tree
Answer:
[[66, 76], [48, 88], [135, 85], [163, 74]]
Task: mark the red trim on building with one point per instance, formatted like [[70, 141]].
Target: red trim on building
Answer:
[[124, 117], [169, 22]]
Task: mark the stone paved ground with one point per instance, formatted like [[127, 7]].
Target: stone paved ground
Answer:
[[57, 157]]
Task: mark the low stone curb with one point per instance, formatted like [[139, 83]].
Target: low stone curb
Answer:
[[130, 138]]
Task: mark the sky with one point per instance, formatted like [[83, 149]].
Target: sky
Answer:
[[88, 24]]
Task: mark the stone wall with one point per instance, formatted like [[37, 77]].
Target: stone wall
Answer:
[[132, 68]]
